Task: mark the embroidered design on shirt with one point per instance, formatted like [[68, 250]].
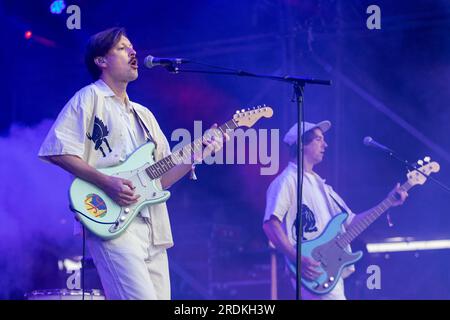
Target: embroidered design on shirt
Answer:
[[308, 222], [99, 134]]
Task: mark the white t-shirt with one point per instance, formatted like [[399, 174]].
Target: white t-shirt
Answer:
[[318, 206], [98, 127]]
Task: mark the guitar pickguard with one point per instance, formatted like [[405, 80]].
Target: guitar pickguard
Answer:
[[145, 187], [333, 258]]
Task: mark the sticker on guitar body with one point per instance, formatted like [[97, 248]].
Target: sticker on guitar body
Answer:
[[95, 205]]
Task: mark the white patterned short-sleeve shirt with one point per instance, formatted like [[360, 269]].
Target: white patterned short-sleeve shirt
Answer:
[[98, 127]]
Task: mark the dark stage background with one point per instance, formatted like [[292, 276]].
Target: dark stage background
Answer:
[[391, 84]]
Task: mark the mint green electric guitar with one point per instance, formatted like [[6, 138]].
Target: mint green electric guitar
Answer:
[[104, 217]]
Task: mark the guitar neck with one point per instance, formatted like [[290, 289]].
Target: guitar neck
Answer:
[[356, 228], [185, 154]]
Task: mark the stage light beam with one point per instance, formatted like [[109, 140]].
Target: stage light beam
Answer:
[[408, 246]]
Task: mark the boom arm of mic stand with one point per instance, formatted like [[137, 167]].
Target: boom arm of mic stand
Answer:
[[241, 73]]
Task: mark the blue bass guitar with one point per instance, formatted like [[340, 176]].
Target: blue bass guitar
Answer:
[[331, 247]]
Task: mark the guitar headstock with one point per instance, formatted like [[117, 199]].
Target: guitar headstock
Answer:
[[426, 167], [247, 118]]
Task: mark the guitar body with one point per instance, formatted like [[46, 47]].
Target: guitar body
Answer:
[[326, 250], [99, 213]]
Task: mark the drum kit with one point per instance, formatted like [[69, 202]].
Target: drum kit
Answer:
[[65, 294], [71, 267]]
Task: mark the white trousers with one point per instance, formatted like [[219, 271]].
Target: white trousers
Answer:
[[130, 267]]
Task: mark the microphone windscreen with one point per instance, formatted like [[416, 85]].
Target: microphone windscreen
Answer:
[[148, 61], [367, 140]]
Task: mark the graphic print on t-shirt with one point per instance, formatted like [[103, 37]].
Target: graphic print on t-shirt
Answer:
[[308, 223], [99, 134]]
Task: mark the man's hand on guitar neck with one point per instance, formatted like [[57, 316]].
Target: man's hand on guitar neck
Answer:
[[212, 144], [399, 195]]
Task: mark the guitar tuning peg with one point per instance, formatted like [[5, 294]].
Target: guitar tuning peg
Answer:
[[420, 162], [243, 110], [237, 111], [427, 159]]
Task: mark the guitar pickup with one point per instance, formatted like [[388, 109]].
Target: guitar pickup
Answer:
[[142, 180]]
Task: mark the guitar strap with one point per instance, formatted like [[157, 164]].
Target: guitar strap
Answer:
[[149, 138], [338, 204], [144, 127]]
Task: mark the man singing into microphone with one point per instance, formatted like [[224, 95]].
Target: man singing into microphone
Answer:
[[100, 127], [319, 204]]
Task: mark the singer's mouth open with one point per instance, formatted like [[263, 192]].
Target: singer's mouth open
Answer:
[[134, 63]]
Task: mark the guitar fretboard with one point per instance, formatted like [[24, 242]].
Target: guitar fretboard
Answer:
[[358, 227], [185, 154]]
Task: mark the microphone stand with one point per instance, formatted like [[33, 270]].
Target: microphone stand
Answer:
[[299, 87]]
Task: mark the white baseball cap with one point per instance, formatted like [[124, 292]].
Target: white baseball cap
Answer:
[[290, 137]]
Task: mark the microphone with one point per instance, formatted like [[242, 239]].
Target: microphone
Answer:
[[151, 61], [368, 141]]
